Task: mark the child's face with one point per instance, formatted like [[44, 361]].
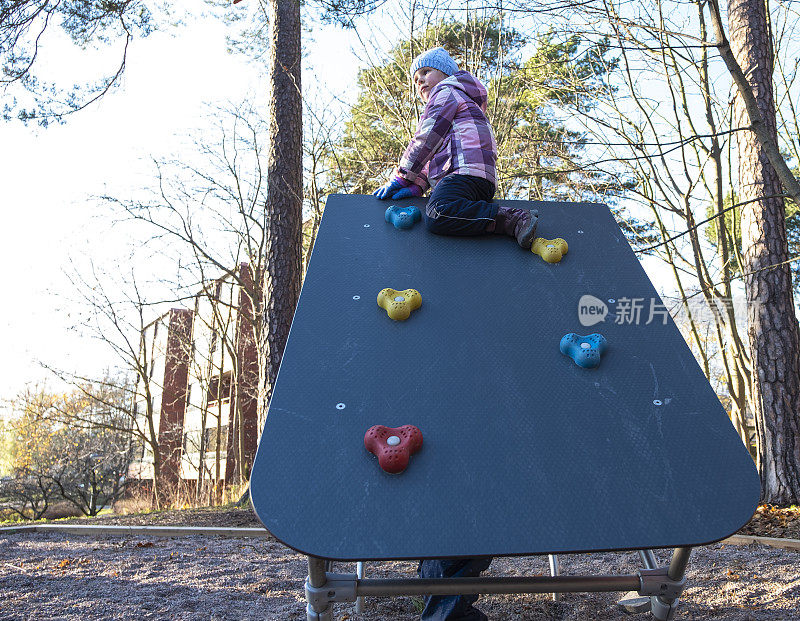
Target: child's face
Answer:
[[425, 78]]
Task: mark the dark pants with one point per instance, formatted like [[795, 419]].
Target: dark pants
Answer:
[[452, 607], [460, 205]]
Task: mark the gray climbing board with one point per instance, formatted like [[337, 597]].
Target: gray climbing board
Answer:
[[524, 452]]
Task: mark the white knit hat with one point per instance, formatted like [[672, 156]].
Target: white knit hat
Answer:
[[437, 58]]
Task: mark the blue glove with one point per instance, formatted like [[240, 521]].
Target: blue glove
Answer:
[[388, 191], [412, 190]]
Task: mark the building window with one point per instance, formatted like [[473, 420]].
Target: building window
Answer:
[[140, 449], [217, 392], [191, 441], [211, 438]]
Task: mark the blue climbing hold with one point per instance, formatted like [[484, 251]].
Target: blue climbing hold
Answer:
[[584, 350], [402, 217]]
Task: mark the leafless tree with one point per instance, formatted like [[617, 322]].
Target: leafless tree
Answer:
[[683, 48], [116, 312], [652, 127], [207, 215]]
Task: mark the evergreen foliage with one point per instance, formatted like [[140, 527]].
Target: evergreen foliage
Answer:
[[530, 102], [24, 26]]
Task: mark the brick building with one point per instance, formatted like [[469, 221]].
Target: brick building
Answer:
[[201, 379]]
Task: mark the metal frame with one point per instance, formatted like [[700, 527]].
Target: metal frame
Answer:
[[554, 571], [662, 585]]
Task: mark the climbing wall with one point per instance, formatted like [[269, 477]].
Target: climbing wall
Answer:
[[524, 451]]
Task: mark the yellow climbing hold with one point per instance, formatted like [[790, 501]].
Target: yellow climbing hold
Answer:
[[551, 250], [399, 304]]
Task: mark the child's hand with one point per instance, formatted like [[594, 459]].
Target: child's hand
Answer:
[[390, 190], [412, 190]]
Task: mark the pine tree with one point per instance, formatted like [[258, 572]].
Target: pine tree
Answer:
[[538, 153], [772, 324]]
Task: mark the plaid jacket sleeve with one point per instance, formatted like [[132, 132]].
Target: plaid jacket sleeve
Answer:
[[433, 127]]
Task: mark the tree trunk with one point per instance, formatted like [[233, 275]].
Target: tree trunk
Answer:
[[285, 185], [772, 326]]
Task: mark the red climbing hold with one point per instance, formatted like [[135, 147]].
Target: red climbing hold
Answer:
[[393, 446]]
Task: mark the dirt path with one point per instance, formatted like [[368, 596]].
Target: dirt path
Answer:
[[45, 576]]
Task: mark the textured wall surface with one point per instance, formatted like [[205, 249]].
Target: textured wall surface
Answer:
[[524, 451]]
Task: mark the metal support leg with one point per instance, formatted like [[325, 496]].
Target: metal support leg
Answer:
[[663, 608], [317, 578], [632, 602], [663, 585], [554, 571], [360, 575], [648, 559], [677, 566]]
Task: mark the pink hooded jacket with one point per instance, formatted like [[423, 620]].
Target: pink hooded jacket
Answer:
[[453, 137]]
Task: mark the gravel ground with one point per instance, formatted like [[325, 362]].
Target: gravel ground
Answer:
[[49, 576]]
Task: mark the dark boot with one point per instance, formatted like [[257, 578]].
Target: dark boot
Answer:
[[518, 223]]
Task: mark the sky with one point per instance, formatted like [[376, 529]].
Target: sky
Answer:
[[50, 175]]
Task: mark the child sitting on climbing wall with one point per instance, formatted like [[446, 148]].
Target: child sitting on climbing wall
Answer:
[[454, 150]]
